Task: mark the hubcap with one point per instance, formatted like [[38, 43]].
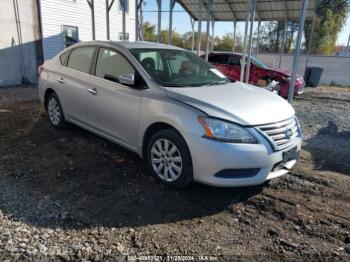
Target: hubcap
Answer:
[[166, 160], [54, 111]]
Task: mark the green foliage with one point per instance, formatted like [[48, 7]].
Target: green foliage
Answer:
[[331, 16], [271, 35], [149, 32], [223, 43]]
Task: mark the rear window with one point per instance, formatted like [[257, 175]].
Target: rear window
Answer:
[[63, 58], [218, 59], [80, 59]]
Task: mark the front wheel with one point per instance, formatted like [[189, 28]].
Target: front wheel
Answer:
[[169, 159]]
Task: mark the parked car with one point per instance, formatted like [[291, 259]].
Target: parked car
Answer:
[[260, 74], [176, 111]]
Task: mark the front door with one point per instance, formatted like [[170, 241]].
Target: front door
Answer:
[[113, 108]]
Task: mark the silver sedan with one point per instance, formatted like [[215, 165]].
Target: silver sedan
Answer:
[[177, 112]]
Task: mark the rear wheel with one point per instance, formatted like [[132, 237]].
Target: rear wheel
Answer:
[[55, 112], [169, 159]]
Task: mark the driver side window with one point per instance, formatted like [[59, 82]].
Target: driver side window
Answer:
[[110, 65]]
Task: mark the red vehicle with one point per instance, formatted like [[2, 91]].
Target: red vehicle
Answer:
[[260, 74]]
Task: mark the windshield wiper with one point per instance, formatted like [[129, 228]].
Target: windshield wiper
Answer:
[[217, 83]]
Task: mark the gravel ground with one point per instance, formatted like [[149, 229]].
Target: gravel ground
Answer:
[[70, 195]]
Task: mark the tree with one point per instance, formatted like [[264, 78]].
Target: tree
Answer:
[[271, 35], [149, 32], [331, 16], [223, 43]]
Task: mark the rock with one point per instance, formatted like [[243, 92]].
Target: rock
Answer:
[[45, 236], [138, 244], [347, 249], [51, 216], [5, 232], [288, 244], [347, 240], [64, 215], [130, 230], [272, 232], [120, 248], [42, 248]]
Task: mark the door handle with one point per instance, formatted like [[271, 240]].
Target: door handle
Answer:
[[93, 91], [60, 80]]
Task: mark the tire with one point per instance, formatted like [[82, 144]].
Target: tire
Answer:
[[54, 109], [301, 91], [168, 153]]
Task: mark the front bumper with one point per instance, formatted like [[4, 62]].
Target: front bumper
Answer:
[[209, 158], [298, 87]]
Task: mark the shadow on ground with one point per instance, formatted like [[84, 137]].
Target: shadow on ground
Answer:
[[330, 149], [74, 179]]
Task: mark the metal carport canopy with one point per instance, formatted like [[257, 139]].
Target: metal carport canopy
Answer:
[[250, 11], [236, 10]]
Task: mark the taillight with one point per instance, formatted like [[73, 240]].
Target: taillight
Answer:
[[40, 69]]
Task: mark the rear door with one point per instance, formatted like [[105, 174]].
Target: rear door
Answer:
[[72, 82]]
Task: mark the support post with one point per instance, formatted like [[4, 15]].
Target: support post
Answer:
[[108, 9], [122, 3], [159, 3], [137, 26], [192, 27], [141, 30], [297, 51], [257, 39], [243, 59], [250, 40], [207, 31], [234, 36], [92, 7], [171, 8], [199, 33], [283, 42], [310, 41], [212, 35], [347, 46]]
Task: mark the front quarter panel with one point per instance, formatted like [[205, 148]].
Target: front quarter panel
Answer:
[[156, 107]]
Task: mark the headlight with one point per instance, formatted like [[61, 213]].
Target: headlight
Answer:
[[225, 131]]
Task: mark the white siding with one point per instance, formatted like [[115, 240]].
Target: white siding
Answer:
[[116, 21], [56, 13]]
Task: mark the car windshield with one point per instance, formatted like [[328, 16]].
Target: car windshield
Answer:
[[178, 68], [258, 63]]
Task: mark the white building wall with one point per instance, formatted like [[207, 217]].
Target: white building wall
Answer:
[[19, 59], [56, 13], [116, 21]]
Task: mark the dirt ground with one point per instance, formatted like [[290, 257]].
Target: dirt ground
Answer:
[[72, 195]]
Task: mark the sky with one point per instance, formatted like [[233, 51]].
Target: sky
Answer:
[[182, 24]]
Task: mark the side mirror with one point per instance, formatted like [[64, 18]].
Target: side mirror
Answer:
[[127, 79]]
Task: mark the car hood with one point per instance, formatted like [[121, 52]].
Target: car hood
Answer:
[[237, 102], [281, 71]]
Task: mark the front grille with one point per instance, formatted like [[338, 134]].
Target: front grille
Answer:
[[281, 134]]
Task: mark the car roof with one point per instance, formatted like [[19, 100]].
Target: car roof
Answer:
[[132, 45], [225, 53]]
